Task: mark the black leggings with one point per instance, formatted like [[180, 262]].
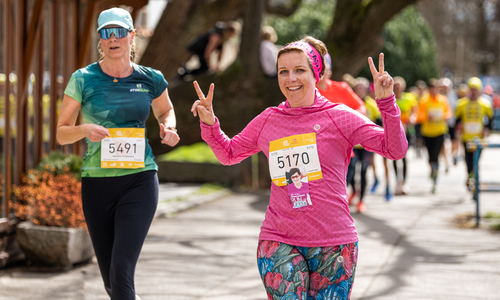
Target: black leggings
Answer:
[[365, 158], [469, 159], [119, 211], [395, 164], [434, 145]]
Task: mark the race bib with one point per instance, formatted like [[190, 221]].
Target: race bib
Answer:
[[124, 148], [473, 127], [435, 114], [294, 151], [293, 162]]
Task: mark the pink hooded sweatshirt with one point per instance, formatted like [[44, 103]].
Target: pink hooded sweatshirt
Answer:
[[327, 222]]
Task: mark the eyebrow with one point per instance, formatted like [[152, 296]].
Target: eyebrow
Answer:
[[301, 66]]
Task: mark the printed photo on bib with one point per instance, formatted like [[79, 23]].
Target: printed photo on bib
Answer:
[[298, 188], [294, 162]]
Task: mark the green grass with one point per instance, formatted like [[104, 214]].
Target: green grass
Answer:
[[205, 189], [195, 153], [492, 215], [493, 220]]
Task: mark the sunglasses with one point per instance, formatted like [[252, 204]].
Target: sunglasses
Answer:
[[296, 176], [119, 32]]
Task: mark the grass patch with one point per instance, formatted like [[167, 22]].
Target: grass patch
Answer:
[[492, 215], [209, 188], [205, 189], [489, 220], [196, 153], [493, 219]]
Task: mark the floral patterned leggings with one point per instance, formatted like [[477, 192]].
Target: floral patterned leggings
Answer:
[[307, 273]]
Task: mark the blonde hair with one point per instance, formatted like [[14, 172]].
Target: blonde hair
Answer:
[[401, 81], [317, 44], [268, 33]]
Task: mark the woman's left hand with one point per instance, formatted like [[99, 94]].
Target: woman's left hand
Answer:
[[382, 81], [168, 137]]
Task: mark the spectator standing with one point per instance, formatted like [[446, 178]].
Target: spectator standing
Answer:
[[268, 51]]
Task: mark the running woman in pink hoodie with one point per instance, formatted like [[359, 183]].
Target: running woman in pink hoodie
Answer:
[[308, 243]]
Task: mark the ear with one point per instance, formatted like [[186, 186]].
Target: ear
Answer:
[[133, 37]]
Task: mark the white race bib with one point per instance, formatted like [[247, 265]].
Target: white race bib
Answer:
[[296, 151], [435, 114], [473, 127], [124, 148]]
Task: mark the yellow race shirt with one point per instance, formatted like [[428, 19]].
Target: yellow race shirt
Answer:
[[372, 111], [432, 114], [472, 115], [406, 104]]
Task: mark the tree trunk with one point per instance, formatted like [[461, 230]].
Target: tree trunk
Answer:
[[242, 91], [180, 22], [356, 32]]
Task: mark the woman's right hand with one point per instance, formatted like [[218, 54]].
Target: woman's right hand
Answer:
[[93, 132], [203, 107]]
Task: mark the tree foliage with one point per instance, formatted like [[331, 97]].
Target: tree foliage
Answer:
[[409, 48], [313, 17], [351, 30]]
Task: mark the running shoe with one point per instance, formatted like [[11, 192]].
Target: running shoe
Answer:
[[361, 207], [374, 187], [388, 194]]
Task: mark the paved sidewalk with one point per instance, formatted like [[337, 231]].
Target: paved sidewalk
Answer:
[[410, 247]]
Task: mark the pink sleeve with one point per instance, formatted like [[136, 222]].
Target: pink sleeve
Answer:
[[389, 141], [232, 151]]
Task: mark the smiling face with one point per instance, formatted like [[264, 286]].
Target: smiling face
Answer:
[[295, 177], [116, 48], [296, 78]]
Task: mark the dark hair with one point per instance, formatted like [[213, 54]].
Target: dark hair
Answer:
[[293, 171], [317, 44], [433, 82]]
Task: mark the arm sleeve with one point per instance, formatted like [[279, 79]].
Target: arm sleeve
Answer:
[[159, 83], [389, 141], [232, 151], [75, 86]]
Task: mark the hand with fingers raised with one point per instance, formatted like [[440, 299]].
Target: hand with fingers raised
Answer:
[[203, 107], [382, 81]]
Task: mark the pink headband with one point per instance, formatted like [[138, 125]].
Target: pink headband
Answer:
[[313, 55]]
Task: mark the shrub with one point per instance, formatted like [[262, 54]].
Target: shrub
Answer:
[[50, 195], [59, 163]]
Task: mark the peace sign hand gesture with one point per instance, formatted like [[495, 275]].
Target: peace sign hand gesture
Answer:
[[203, 106], [382, 81]]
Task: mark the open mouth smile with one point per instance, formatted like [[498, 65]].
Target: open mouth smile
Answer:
[[294, 88]]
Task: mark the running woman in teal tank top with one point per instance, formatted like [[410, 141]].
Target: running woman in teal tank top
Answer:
[[119, 180]]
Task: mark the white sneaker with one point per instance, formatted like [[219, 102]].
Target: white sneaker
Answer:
[[137, 297]]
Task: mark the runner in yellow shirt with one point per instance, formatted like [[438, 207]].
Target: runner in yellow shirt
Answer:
[[408, 106], [470, 115], [433, 110]]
